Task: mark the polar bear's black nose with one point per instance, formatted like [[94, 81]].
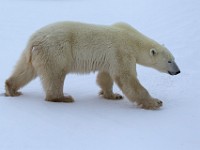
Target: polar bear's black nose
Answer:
[[178, 72], [173, 68], [174, 73]]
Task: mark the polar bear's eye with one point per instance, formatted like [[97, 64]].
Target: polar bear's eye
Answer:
[[169, 62], [153, 52]]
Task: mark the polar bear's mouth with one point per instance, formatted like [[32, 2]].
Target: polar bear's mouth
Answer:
[[174, 73], [173, 69]]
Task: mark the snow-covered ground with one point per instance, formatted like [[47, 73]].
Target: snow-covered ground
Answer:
[[92, 123]]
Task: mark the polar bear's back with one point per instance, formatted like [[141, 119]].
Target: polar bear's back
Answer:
[[83, 47]]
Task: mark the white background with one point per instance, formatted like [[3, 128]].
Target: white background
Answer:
[[92, 123]]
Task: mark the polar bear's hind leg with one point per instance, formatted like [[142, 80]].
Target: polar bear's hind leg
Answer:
[[22, 75], [53, 83]]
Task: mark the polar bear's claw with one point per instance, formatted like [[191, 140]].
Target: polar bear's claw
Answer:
[[151, 104]]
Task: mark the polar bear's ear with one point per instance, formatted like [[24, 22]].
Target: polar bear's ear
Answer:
[[153, 52]]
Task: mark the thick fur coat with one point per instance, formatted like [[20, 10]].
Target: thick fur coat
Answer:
[[70, 47]]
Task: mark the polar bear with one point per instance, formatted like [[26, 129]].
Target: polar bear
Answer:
[[71, 47]]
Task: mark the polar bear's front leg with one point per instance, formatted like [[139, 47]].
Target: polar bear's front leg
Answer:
[[135, 92], [105, 82]]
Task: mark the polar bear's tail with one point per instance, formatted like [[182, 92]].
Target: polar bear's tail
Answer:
[[23, 73]]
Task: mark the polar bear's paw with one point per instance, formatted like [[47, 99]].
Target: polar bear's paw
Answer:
[[13, 93], [65, 99], [151, 103], [10, 90], [111, 96]]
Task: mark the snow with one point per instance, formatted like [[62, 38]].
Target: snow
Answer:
[[92, 123]]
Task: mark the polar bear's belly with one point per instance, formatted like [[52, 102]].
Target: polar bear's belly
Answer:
[[89, 62]]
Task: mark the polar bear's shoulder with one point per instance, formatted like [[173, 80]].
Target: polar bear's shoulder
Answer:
[[122, 25], [126, 27]]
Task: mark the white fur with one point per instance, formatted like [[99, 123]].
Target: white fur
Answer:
[[70, 47]]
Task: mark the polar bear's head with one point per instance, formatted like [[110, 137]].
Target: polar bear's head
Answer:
[[150, 53], [161, 59]]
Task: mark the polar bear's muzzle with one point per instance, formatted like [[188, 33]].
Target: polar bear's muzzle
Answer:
[[173, 68]]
